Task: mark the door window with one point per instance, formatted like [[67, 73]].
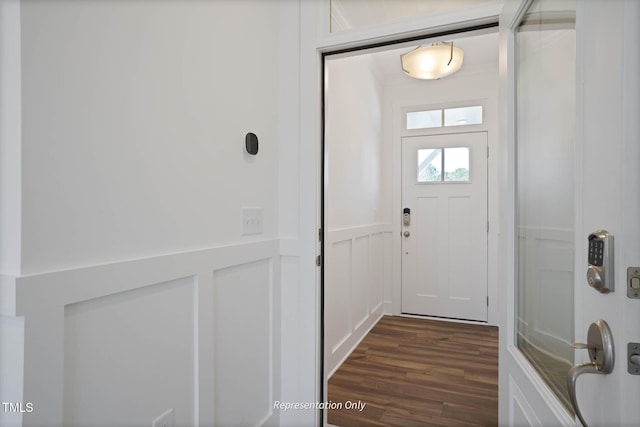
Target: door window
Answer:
[[545, 79], [447, 117], [440, 165]]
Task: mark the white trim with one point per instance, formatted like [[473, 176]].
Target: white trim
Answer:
[[541, 387], [10, 138], [414, 27], [42, 299]]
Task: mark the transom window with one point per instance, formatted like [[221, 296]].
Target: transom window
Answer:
[[459, 116], [449, 164]]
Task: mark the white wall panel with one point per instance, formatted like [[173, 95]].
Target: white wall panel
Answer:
[[156, 333], [337, 292], [545, 318], [353, 289], [521, 413], [11, 366], [360, 280], [376, 269], [243, 344], [352, 143], [131, 352]]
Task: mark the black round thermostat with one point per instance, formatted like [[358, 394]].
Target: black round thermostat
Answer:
[[251, 143]]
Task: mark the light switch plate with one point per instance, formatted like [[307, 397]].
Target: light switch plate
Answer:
[[633, 279], [251, 221]]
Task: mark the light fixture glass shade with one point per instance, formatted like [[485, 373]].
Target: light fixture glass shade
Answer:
[[432, 62]]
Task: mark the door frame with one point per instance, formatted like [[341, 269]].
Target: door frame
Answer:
[[315, 41], [487, 96]]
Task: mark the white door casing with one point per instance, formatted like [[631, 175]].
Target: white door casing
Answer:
[[607, 197], [444, 247]]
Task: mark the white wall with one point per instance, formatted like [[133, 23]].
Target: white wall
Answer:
[[132, 282], [134, 116], [471, 84], [352, 142], [355, 235]]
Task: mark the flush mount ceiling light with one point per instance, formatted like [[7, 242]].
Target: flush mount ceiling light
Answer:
[[432, 62]]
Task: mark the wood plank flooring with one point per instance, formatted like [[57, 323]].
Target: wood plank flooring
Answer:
[[419, 372]]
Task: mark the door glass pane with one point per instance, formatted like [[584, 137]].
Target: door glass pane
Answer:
[[456, 164], [463, 116], [424, 119], [545, 78], [430, 165]]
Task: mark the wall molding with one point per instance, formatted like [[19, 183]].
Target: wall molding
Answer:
[[42, 301], [355, 273]]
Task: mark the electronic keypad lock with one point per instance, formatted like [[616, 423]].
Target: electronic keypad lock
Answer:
[[406, 217], [600, 257]]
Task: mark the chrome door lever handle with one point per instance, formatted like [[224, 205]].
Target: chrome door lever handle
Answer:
[[574, 373], [600, 347]]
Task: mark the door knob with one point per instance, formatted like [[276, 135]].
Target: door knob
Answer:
[[406, 234], [600, 347]]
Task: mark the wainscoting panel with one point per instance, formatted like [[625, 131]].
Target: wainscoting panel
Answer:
[[353, 288], [547, 316], [376, 276], [119, 344], [243, 346], [520, 412], [110, 346], [361, 283], [337, 292]]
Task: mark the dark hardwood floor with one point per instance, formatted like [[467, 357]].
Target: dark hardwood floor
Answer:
[[419, 372]]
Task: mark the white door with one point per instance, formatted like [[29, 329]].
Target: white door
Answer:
[[606, 196], [444, 243]]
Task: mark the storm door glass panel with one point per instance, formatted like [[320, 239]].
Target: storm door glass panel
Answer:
[[545, 78], [430, 165]]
